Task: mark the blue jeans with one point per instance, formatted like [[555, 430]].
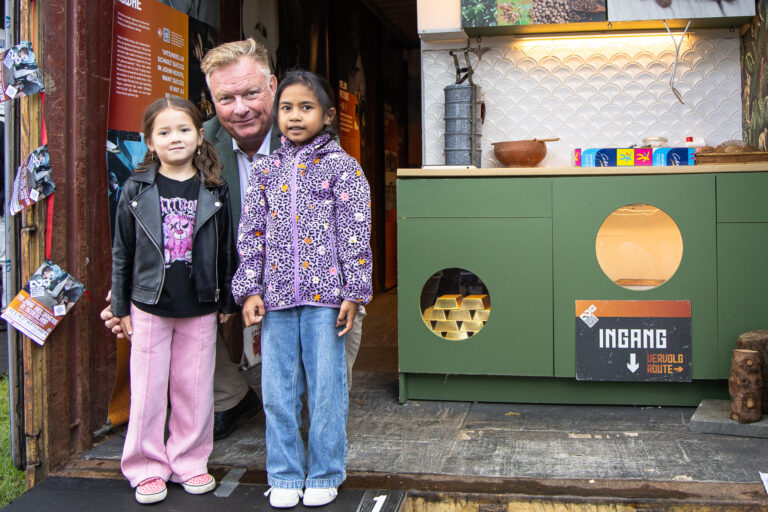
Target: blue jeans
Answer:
[[300, 348]]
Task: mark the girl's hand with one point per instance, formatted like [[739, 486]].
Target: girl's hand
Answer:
[[347, 313], [111, 322], [125, 326], [225, 317], [253, 310]]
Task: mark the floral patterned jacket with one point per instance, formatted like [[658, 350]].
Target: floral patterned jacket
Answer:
[[304, 233]]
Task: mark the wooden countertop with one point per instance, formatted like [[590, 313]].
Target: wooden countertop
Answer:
[[511, 172]]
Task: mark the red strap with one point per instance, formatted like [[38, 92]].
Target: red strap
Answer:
[[43, 132], [49, 227], [32, 16]]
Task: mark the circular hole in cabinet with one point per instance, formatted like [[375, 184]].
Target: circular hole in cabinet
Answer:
[[639, 247], [455, 304]]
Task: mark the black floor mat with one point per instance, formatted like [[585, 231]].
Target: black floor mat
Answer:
[[93, 495]]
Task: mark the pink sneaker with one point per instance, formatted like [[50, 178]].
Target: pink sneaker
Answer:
[[199, 484], [151, 490]]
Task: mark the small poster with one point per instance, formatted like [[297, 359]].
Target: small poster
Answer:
[[20, 76], [491, 13], [349, 125], [633, 340], [49, 295], [33, 180]]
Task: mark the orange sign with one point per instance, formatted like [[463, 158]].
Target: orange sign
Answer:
[[349, 125], [30, 317], [150, 52], [391, 147], [636, 308]]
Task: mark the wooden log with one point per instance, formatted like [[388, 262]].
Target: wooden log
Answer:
[[745, 386], [758, 340]]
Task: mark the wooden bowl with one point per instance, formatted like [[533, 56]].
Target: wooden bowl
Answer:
[[521, 153]]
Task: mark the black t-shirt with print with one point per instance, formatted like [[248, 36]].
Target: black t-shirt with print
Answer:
[[178, 205]]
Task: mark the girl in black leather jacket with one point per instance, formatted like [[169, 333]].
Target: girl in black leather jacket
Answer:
[[172, 265]]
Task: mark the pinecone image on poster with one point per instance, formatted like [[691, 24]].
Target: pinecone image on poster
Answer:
[[745, 386]]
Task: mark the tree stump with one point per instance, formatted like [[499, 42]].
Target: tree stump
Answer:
[[745, 386], [758, 340]]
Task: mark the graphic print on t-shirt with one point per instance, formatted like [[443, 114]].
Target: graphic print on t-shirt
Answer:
[[178, 225]]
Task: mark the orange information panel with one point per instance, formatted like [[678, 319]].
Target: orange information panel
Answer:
[[633, 340], [150, 48], [349, 126], [391, 151]]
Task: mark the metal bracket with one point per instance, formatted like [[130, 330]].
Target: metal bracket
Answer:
[[467, 70], [479, 50]]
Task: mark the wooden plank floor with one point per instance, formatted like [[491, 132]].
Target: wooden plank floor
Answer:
[[611, 451]]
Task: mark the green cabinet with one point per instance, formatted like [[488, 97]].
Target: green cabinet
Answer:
[[444, 224], [517, 338], [742, 272], [532, 241], [580, 205], [742, 284]]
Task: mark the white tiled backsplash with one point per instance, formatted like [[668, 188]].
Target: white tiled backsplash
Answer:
[[592, 92]]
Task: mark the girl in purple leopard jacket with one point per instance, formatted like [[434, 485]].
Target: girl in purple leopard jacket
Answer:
[[305, 265]]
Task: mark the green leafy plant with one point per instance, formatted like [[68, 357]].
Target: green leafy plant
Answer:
[[514, 12], [12, 481], [478, 13]]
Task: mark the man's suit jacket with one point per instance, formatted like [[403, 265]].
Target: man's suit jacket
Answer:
[[219, 137]]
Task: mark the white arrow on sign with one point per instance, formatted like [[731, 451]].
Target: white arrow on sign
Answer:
[[632, 364]]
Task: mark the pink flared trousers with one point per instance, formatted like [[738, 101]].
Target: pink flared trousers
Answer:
[[178, 353]]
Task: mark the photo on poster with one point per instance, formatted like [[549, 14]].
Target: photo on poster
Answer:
[[54, 288], [39, 173], [20, 76], [49, 295], [173, 38], [202, 38], [33, 181], [125, 150], [491, 13]]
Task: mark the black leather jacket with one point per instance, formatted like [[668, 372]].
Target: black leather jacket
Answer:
[[138, 272]]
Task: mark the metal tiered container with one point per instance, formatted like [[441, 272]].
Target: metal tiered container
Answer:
[[462, 125]]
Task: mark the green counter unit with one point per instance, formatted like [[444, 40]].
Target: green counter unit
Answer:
[[529, 235]]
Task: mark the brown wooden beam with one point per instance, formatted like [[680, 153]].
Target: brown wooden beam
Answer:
[[32, 251], [67, 381]]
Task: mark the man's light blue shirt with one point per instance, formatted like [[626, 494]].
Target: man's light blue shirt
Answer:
[[245, 164]]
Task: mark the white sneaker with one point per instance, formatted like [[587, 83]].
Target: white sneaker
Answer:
[[319, 496], [283, 498]]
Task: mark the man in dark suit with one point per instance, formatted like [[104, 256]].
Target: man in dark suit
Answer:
[[243, 91]]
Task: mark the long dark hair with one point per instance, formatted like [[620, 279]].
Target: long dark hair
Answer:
[[315, 83], [206, 161]]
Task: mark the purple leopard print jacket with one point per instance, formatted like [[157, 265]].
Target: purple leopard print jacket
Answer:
[[304, 232]]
